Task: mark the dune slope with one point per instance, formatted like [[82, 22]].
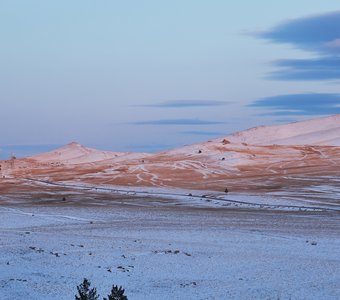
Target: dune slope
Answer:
[[262, 159]]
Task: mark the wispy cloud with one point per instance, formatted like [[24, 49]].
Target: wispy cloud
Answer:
[[24, 150], [285, 120], [177, 122], [301, 104], [204, 133], [323, 68], [149, 147], [187, 103], [319, 34]]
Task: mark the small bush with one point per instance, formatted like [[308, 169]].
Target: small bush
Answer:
[[85, 293], [117, 293]]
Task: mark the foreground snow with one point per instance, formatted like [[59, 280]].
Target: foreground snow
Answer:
[[162, 253]]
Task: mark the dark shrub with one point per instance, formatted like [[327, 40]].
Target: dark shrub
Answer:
[[117, 293], [85, 293]]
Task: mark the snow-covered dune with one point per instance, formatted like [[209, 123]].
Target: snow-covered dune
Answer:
[[74, 153], [320, 131], [261, 159]]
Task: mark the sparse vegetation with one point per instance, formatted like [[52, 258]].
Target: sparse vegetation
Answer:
[[117, 293], [85, 293]]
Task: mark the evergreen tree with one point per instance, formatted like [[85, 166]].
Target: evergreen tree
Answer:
[[117, 293], [85, 293]]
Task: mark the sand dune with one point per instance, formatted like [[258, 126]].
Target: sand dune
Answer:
[[263, 159], [74, 153], [320, 131]]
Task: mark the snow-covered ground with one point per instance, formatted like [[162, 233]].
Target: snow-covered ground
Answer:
[[167, 252], [261, 159], [317, 131], [162, 226]]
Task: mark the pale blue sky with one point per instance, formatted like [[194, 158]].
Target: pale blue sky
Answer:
[[113, 74]]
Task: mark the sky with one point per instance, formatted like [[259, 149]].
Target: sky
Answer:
[[150, 75]]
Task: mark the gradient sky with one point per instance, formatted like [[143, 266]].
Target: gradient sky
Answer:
[[151, 75]]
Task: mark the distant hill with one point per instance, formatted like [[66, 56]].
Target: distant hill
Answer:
[[264, 158]]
